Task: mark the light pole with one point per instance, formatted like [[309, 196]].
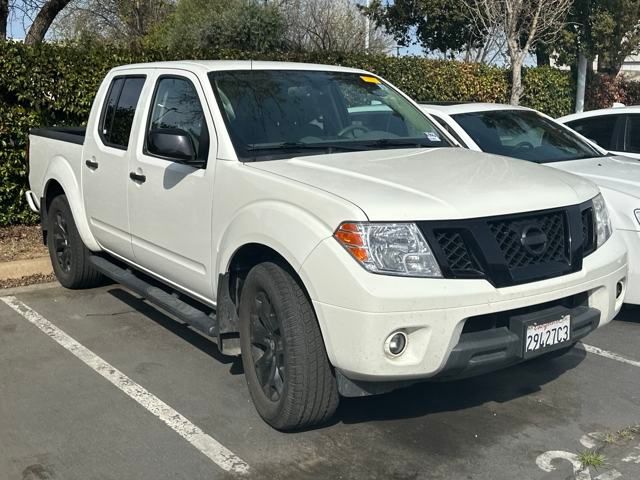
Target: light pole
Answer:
[[367, 28]]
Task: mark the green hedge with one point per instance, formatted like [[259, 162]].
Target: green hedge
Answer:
[[55, 84]]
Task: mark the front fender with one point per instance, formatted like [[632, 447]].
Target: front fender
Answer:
[[284, 227], [60, 171], [621, 207]]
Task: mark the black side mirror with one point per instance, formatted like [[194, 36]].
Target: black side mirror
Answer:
[[173, 143]]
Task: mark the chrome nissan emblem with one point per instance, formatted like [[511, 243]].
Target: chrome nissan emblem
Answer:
[[533, 240]]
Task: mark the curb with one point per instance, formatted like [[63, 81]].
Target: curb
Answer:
[[25, 268]]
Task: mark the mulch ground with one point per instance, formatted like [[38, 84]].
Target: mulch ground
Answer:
[[21, 242], [24, 281]]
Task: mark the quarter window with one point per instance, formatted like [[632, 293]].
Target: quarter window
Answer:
[[633, 134], [119, 110], [176, 106]]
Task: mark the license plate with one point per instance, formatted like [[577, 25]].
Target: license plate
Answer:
[[548, 334]]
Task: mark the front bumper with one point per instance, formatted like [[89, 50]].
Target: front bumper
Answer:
[[358, 310], [632, 240]]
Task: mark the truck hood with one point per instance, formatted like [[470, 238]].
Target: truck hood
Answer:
[[618, 173], [434, 184]]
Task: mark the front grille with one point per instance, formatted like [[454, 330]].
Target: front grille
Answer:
[[588, 231], [456, 251], [513, 249], [508, 234]]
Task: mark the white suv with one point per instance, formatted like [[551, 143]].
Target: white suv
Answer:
[[617, 130]]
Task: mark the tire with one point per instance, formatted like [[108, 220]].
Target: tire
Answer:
[[69, 256], [290, 380]]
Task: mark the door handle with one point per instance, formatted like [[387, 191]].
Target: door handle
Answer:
[[138, 178], [92, 164]]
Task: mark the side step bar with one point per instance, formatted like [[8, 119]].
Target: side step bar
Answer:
[[198, 319]]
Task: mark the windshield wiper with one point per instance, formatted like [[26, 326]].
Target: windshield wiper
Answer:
[[392, 142], [303, 146]]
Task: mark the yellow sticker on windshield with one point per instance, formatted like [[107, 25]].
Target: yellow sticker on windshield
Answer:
[[369, 79]]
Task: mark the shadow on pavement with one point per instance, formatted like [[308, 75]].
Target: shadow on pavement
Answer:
[[202, 343], [435, 397], [629, 314]]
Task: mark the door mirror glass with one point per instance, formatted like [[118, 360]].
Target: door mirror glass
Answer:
[[173, 143]]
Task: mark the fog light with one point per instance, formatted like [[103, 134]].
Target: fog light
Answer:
[[396, 344], [619, 289]]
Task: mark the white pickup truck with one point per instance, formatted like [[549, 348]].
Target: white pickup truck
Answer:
[[315, 221]]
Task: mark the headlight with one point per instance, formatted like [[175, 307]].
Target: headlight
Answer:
[[603, 222], [389, 248]]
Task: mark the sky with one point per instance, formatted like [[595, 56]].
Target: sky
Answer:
[[15, 28]]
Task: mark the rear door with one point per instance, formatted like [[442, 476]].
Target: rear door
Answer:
[[105, 164], [170, 202]]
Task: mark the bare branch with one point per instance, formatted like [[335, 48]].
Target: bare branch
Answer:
[[523, 24]]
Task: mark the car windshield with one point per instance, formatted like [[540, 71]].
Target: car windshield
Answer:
[[273, 114], [524, 134]]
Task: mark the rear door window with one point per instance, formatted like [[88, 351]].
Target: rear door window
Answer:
[[119, 110], [598, 129]]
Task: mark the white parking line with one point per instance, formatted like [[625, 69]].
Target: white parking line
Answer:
[[210, 447], [610, 355]]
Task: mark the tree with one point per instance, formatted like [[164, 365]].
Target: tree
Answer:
[[607, 29], [249, 25], [39, 14], [4, 17], [115, 21], [321, 25], [45, 17], [436, 25], [523, 23]]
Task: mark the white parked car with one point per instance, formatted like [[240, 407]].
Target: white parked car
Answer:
[[338, 246], [617, 129], [530, 135]]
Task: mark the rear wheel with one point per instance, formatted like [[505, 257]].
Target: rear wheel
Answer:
[[290, 380], [69, 256]]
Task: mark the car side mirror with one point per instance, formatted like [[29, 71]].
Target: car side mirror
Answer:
[[173, 143]]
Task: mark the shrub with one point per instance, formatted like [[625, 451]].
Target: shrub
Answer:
[[54, 84]]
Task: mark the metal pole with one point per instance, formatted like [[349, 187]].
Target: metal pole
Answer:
[[367, 29], [582, 80]]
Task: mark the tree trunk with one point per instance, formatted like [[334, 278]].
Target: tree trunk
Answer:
[[516, 80], [4, 15], [43, 21]]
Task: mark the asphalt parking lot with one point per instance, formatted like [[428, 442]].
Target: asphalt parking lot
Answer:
[[130, 393]]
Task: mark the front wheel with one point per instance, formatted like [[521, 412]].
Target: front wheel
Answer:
[[290, 380], [69, 256]]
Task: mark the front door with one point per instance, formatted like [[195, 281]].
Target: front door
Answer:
[[170, 199]]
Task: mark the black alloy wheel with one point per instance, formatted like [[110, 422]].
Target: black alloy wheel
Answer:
[[267, 347]]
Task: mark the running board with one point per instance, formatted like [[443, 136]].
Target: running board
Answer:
[[198, 319]]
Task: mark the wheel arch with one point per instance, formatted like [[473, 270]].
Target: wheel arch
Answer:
[[61, 180], [231, 282]]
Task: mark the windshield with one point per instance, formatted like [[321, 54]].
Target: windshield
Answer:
[[274, 114], [524, 134]]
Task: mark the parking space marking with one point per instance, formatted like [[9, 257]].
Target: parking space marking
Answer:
[[210, 447], [610, 355]]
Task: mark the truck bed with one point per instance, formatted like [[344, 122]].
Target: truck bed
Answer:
[[64, 134], [54, 149]]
